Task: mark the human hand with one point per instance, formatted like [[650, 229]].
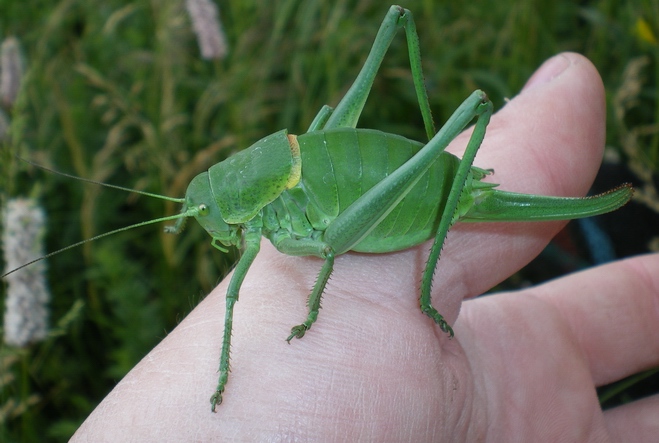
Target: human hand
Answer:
[[523, 366]]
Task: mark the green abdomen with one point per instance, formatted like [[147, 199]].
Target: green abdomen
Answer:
[[340, 165]]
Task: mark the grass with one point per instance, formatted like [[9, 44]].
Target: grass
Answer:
[[116, 91]]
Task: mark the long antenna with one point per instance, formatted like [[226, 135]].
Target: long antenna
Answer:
[[107, 185], [191, 212]]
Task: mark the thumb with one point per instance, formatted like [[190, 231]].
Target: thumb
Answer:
[[547, 140]]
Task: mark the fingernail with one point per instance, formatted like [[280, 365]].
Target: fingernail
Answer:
[[549, 70]]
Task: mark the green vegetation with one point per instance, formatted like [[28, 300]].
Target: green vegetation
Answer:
[[117, 91]]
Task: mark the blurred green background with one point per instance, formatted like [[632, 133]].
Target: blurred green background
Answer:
[[117, 91]]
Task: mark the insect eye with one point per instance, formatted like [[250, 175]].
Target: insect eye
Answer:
[[203, 209]]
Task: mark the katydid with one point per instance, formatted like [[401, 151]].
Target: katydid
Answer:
[[337, 188]]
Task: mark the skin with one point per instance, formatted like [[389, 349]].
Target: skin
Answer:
[[523, 366]]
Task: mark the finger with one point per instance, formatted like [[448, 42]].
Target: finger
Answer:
[[613, 315], [636, 421], [550, 138], [547, 140]]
